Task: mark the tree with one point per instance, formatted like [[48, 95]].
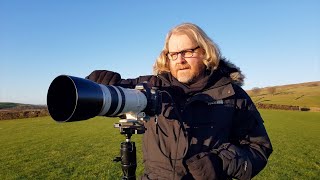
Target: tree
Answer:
[[272, 90], [256, 90]]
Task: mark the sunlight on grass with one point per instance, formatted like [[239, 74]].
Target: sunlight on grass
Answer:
[[40, 148]]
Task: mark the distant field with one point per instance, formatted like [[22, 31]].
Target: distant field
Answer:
[[39, 148], [5, 105], [303, 95]]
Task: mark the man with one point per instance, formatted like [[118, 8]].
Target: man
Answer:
[[209, 127]]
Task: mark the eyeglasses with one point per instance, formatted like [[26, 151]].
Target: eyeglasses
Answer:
[[185, 53]]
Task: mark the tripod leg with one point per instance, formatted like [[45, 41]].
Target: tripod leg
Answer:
[[128, 160]]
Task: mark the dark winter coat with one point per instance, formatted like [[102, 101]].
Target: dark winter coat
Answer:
[[208, 130]]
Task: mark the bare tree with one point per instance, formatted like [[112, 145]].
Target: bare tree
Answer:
[[256, 90], [272, 90]]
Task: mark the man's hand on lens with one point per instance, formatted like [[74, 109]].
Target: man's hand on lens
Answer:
[[104, 77]]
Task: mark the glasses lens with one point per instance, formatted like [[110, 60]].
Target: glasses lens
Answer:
[[172, 56], [188, 54]]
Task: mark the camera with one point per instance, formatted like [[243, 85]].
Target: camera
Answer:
[[72, 98]]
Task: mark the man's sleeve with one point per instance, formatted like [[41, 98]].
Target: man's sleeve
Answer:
[[248, 151], [113, 78]]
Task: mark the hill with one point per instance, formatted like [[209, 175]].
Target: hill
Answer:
[[19, 106], [10, 110], [303, 95]]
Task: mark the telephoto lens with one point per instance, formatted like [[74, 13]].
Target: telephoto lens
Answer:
[[72, 98]]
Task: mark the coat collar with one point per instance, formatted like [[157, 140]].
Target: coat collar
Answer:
[[215, 93]]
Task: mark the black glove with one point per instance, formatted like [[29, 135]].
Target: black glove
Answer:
[[235, 161], [205, 166], [104, 77]]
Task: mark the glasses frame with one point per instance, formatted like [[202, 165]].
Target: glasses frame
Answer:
[[182, 53]]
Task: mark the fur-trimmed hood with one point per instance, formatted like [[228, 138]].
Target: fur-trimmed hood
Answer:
[[228, 69]]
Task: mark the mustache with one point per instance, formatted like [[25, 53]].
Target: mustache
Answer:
[[183, 66]]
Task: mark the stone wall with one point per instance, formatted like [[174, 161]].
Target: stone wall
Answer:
[[277, 106], [20, 114]]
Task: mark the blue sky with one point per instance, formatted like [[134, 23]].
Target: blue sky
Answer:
[[273, 42]]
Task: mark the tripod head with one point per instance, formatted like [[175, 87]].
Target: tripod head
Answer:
[[131, 124]]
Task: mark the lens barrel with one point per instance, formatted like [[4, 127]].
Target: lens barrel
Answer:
[[72, 98]]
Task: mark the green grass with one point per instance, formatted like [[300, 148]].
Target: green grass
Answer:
[[39, 148], [295, 137]]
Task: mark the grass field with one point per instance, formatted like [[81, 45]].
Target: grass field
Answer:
[[39, 148]]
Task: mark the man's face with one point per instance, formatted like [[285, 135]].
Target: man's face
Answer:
[[187, 70]]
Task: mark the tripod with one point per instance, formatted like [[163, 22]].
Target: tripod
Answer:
[[128, 156]]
